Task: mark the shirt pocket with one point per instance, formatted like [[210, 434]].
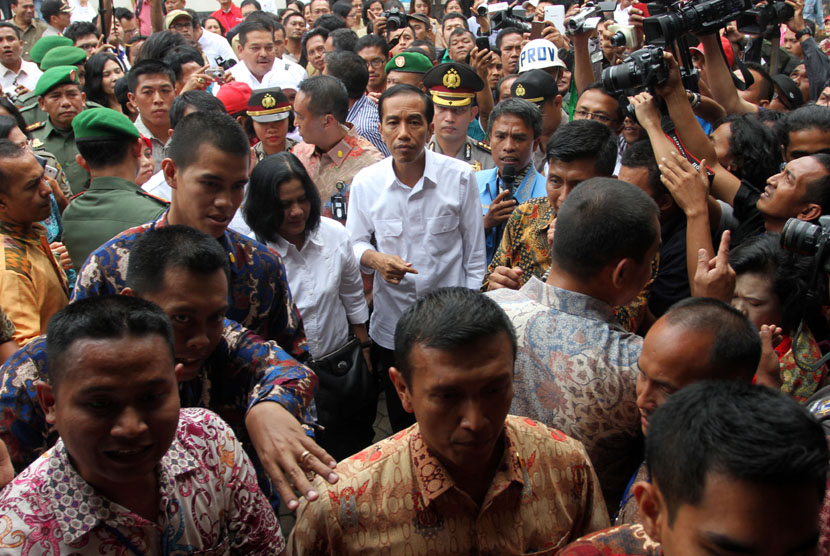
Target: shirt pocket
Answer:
[[389, 228], [441, 233]]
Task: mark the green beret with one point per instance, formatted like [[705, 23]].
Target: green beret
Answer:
[[45, 44], [410, 62], [103, 123], [63, 56], [53, 77]]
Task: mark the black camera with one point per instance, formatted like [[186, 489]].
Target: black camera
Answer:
[[757, 19], [700, 18], [511, 17], [395, 19], [225, 64], [644, 68], [806, 238]]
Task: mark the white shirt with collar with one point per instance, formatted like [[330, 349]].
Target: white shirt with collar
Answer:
[[159, 146], [273, 78], [27, 76], [324, 278], [436, 225], [214, 45]]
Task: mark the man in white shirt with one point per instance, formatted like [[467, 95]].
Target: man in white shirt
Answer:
[[214, 46], [424, 212], [256, 57], [17, 76], [57, 15]]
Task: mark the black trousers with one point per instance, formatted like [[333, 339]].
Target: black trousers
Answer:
[[382, 359]]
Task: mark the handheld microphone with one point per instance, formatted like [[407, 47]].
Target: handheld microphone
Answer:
[[508, 176]]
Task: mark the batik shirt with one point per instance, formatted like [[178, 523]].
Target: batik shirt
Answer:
[[525, 244], [397, 498], [576, 370], [626, 540], [798, 379], [258, 295], [209, 503], [242, 371]]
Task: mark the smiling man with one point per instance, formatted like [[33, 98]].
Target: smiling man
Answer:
[[465, 462], [126, 449]]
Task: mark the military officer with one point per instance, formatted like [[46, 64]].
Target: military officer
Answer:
[[61, 98], [407, 67], [57, 56], [453, 87], [270, 112], [111, 148], [27, 103]]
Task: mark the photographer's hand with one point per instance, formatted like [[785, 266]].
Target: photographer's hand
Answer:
[[551, 33], [796, 23], [482, 20], [379, 26]]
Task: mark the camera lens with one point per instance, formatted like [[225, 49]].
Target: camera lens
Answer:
[[618, 39], [621, 77], [800, 236], [481, 10]]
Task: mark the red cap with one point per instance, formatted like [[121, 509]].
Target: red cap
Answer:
[[727, 49], [234, 96]]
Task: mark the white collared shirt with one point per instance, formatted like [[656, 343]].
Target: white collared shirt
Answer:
[[273, 78], [159, 146], [27, 76], [324, 279], [214, 45], [436, 225]]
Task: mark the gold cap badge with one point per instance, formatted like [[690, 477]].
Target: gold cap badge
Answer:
[[268, 101], [520, 91], [451, 79]]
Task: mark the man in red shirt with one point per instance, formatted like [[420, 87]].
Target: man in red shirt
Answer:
[[228, 14]]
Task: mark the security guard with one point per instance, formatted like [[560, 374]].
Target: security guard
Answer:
[[61, 98], [453, 87], [539, 87], [58, 56], [270, 111], [111, 148]]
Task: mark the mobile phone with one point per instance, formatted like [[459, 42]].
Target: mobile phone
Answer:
[[536, 28], [483, 43], [50, 172]]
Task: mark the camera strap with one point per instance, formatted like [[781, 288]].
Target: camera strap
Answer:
[[748, 79]]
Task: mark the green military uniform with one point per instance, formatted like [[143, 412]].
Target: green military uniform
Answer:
[[107, 208], [61, 143], [29, 36], [112, 204], [475, 153]]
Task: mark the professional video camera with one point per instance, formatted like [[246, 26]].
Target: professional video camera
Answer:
[[699, 18], [395, 19], [809, 239], [510, 17], [756, 20], [643, 68]]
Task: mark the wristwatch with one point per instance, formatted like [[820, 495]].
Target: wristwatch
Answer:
[[805, 31]]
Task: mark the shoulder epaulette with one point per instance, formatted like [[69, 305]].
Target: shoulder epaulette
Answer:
[[36, 125], [76, 195], [162, 200], [483, 146]]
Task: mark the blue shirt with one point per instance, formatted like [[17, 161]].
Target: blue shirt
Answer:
[[533, 185]]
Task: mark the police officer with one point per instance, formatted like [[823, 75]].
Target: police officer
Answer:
[[111, 148], [58, 56], [539, 87], [61, 98], [271, 116], [453, 87]]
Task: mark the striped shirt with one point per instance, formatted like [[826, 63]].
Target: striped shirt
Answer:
[[364, 116]]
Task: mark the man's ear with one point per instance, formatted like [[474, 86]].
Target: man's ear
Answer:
[[431, 129], [239, 48], [137, 148], [664, 202], [402, 389], [130, 98], [82, 162], [128, 291], [171, 172], [810, 212], [557, 102], [621, 272], [46, 397], [41, 104], [653, 509]]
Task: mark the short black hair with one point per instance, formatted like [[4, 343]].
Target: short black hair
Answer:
[[148, 67], [602, 221], [736, 349], [221, 27], [253, 3], [158, 44], [123, 13], [809, 116], [212, 128], [343, 39], [739, 431], [527, 111], [460, 31], [415, 46], [818, 190], [372, 40], [407, 89], [9, 25], [448, 319], [349, 68], [108, 317], [80, 29], [202, 101], [767, 87], [262, 208], [754, 148], [246, 27], [120, 90], [14, 112], [9, 124], [329, 22], [101, 153], [181, 55], [582, 139], [327, 95], [8, 150], [311, 33], [641, 155], [598, 86], [157, 250], [342, 9], [505, 32], [454, 15]]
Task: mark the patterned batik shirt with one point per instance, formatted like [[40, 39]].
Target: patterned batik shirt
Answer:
[[396, 497], [243, 370], [258, 292], [209, 503], [576, 370], [525, 244], [626, 540]]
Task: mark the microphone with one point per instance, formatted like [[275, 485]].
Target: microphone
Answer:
[[508, 176]]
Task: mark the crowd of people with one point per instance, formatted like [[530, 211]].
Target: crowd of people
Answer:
[[596, 314]]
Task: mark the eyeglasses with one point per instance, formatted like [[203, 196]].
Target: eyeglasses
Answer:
[[376, 62], [585, 115], [181, 26]]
